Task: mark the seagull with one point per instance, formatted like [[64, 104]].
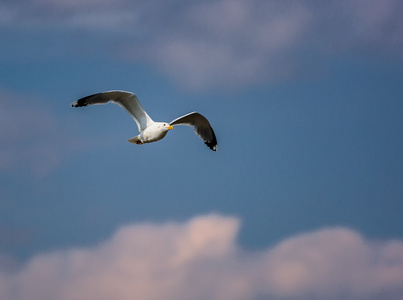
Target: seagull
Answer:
[[151, 131]]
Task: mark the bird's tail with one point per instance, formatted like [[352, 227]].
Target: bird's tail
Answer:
[[135, 140]]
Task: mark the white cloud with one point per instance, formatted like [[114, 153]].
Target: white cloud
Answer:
[[209, 44], [232, 43], [200, 259]]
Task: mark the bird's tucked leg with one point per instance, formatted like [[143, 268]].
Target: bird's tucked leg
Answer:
[[135, 140]]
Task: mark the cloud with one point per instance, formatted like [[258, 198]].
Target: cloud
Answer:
[[210, 44], [235, 43], [378, 22], [31, 136], [20, 127], [199, 259]]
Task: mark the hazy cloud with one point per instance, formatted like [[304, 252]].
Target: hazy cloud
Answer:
[[233, 43], [200, 259], [31, 136], [204, 44]]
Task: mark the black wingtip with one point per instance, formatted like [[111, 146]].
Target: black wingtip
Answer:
[[212, 144], [81, 102]]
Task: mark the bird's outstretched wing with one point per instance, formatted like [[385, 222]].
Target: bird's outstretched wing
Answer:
[[201, 126], [124, 99]]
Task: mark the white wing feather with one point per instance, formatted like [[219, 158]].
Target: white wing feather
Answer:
[[124, 99]]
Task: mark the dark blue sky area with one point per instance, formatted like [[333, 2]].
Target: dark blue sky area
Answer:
[[305, 100]]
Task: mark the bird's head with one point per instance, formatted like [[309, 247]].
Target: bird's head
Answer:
[[166, 126]]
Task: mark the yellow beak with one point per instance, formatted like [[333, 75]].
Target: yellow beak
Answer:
[[170, 127]]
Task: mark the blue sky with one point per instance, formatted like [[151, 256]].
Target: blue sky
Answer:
[[305, 100]]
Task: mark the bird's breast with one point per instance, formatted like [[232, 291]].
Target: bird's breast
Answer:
[[152, 134]]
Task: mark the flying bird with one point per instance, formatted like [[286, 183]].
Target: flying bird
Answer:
[[151, 131]]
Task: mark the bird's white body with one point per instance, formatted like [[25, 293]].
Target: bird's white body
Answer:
[[154, 132]]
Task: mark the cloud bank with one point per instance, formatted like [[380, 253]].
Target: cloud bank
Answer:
[[205, 44], [199, 259]]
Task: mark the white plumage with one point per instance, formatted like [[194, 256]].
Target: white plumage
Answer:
[[151, 131]]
